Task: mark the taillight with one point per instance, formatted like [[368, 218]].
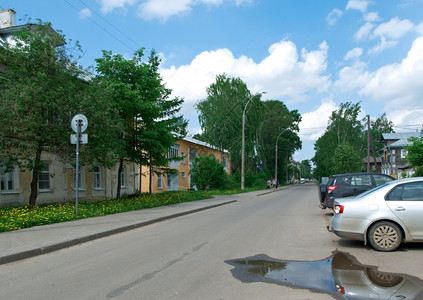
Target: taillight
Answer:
[[338, 209], [340, 289], [332, 188]]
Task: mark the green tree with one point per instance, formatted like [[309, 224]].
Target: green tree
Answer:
[[343, 127], [220, 116], [277, 120], [41, 90], [207, 173], [346, 159], [415, 155], [147, 117]]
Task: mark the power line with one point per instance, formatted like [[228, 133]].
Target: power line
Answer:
[[108, 32]]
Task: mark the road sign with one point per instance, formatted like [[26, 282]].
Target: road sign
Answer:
[[83, 138], [80, 120]]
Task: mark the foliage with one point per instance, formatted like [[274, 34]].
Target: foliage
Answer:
[[147, 117], [207, 173], [343, 127], [346, 159], [415, 155], [281, 125], [220, 116], [15, 218], [41, 91]]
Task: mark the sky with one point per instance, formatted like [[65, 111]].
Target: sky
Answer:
[[312, 55]]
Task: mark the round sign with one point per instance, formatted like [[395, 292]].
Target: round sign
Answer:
[[81, 120]]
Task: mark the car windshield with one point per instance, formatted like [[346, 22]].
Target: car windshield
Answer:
[[372, 190]]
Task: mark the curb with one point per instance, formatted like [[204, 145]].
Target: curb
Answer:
[[44, 250]]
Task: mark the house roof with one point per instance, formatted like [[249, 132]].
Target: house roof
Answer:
[[400, 138], [6, 33], [198, 142]]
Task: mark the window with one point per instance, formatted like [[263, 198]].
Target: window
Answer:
[[407, 192], [361, 180], [44, 177], [97, 177], [183, 157], [160, 181], [224, 161], [404, 153], [123, 177], [173, 151], [192, 153], [7, 179], [183, 175], [379, 180]]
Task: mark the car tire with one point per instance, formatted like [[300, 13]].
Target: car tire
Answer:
[[385, 236]]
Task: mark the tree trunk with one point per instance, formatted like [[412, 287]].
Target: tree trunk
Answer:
[[119, 183], [34, 182]]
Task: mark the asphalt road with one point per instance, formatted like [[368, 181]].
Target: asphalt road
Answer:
[[207, 255]]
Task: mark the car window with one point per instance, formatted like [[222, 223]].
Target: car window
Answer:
[[379, 179], [412, 191], [342, 180], [361, 180]]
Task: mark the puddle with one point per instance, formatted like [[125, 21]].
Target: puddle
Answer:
[[339, 275]]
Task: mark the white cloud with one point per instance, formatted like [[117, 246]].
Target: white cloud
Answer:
[[85, 13], [393, 29], [163, 9], [333, 16], [354, 54], [360, 5], [371, 17], [399, 85], [283, 74], [313, 124], [364, 31], [109, 5]]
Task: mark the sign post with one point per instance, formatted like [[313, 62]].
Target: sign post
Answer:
[[79, 123]]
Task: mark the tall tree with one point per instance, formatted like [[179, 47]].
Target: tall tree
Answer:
[[147, 116], [41, 89], [343, 127], [277, 121], [220, 116]]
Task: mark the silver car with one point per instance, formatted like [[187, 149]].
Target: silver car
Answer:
[[384, 217]]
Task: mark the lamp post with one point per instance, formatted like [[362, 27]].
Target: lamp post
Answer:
[[243, 143], [276, 153]]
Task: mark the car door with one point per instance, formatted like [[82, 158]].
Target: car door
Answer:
[[406, 202]]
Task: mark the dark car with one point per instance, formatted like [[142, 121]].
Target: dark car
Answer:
[[347, 185]]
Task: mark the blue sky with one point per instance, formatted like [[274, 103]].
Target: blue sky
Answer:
[[311, 54]]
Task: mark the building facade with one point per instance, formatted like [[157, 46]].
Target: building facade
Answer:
[[394, 161], [187, 148]]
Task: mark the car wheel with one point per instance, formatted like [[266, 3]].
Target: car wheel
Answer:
[[385, 236]]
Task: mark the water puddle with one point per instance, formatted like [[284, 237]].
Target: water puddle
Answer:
[[339, 275]]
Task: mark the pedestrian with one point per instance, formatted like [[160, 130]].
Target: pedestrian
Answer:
[[268, 183], [274, 183]]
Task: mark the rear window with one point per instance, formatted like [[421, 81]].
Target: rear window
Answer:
[[363, 180], [379, 179], [342, 180]]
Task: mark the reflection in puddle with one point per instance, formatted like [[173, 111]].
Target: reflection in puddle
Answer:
[[339, 275]]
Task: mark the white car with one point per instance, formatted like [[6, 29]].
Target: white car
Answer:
[[384, 217]]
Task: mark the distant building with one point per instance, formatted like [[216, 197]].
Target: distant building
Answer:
[[187, 148], [394, 161]]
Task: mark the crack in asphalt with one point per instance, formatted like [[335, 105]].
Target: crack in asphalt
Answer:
[[121, 290]]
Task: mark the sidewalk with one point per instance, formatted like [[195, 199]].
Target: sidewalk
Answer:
[[29, 242]]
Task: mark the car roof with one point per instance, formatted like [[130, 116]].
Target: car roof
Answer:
[[405, 180], [359, 173]]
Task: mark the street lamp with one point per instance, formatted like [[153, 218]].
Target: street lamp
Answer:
[[276, 153], [243, 142]]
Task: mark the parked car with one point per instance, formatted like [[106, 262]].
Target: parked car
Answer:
[[302, 180], [347, 185], [384, 217]]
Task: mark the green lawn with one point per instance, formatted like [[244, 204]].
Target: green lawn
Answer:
[[16, 218]]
